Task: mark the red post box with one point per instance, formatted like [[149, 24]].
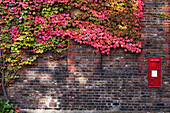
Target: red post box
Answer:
[[154, 71]]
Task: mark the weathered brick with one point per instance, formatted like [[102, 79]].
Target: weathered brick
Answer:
[[86, 80]]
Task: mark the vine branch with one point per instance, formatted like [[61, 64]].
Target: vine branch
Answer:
[[160, 15], [2, 81]]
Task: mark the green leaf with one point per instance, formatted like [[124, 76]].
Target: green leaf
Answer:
[[56, 12], [61, 9], [11, 111], [44, 9], [21, 38]]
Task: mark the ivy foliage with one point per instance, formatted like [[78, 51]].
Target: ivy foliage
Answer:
[[6, 107], [31, 27]]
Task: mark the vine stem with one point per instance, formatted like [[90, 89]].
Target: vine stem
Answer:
[[3, 77]]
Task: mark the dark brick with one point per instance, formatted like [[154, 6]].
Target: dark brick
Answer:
[[86, 80]]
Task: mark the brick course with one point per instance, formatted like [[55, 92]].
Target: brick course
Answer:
[[86, 80]]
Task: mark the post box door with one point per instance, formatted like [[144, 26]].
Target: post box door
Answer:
[[154, 72]]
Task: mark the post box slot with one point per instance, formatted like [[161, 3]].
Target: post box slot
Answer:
[[154, 60]]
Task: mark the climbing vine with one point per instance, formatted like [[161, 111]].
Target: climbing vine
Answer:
[[160, 15], [31, 27]]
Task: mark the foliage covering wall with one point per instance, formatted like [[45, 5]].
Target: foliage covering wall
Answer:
[[40, 25]]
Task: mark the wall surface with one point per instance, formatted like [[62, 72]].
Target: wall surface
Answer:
[[86, 80]]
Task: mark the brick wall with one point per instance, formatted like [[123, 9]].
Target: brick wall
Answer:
[[1, 92], [86, 80]]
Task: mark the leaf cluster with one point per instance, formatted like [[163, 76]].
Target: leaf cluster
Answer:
[[6, 107], [32, 27]]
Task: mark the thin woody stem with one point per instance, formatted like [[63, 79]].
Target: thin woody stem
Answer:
[[2, 81]]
